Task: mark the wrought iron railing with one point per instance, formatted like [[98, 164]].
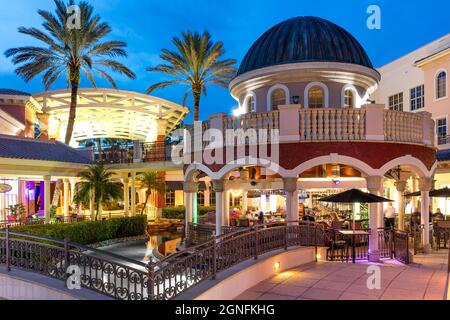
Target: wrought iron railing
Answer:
[[179, 272], [126, 279], [392, 244], [100, 271]]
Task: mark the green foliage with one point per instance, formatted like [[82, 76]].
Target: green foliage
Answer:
[[16, 210], [90, 232], [151, 181], [97, 180], [179, 212], [196, 63], [69, 51]]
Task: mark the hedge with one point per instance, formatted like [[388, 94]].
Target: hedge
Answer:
[[90, 232], [179, 212]]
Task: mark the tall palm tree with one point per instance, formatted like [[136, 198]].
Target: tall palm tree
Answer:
[[151, 181], [96, 181], [70, 52], [195, 64]]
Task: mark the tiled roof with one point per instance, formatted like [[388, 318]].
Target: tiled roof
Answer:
[[31, 149], [13, 92]]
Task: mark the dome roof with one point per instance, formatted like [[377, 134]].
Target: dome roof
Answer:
[[304, 39]]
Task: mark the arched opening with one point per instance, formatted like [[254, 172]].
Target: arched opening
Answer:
[[349, 99], [316, 98], [441, 85], [250, 103], [277, 98]]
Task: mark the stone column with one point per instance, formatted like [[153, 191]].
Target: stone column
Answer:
[[401, 187], [374, 185], [226, 208], [66, 211], [190, 192], [245, 201], [133, 194], [47, 204], [207, 194], [126, 195], [425, 185], [290, 187], [218, 186]]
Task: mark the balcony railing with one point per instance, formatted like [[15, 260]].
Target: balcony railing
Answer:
[[146, 152], [295, 124], [443, 140]]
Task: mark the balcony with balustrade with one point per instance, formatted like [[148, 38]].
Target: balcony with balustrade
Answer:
[[370, 134]]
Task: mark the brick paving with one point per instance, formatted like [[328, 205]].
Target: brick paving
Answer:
[[425, 279]]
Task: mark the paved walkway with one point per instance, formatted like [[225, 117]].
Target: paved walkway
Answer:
[[426, 279]]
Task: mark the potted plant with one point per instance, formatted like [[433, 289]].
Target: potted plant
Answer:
[[16, 211]]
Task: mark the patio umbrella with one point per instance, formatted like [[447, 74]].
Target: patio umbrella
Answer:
[[354, 196], [441, 193]]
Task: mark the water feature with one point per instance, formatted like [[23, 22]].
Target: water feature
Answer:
[[142, 250]]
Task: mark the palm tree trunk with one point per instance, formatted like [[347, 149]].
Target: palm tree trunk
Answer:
[[69, 132], [145, 203], [99, 204], [196, 104], [72, 113]]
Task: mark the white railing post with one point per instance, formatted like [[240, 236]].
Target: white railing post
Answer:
[[374, 122], [289, 123]]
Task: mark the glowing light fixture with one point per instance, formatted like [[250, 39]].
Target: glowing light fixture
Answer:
[[277, 266]]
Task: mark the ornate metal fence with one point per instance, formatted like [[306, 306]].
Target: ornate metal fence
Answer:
[[401, 246], [177, 273], [109, 274]]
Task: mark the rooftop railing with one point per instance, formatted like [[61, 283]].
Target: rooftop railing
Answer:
[[294, 124]]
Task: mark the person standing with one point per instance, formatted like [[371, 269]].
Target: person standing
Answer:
[[389, 216]]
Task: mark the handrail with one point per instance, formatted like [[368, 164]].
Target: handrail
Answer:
[[76, 245]]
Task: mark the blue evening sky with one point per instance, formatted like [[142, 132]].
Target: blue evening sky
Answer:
[[148, 26]]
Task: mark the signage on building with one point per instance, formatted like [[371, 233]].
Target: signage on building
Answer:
[[4, 188]]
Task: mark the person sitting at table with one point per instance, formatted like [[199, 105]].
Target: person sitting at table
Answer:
[[309, 218], [438, 216], [261, 217]]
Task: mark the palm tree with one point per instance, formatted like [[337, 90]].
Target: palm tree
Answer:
[[151, 181], [96, 181], [195, 64], [69, 51]]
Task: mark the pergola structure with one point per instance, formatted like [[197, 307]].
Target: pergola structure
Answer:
[[107, 113]]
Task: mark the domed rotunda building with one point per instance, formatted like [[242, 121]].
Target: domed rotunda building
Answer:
[[308, 61], [307, 82]]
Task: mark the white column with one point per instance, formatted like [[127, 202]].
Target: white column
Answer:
[[72, 190], [126, 195], [207, 195], [219, 190], [425, 185], [190, 192], [188, 213], [66, 198], [401, 188], [245, 201], [374, 185], [47, 204], [226, 208], [133, 194], [290, 187]]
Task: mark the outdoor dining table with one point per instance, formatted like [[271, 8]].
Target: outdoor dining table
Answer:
[[352, 234]]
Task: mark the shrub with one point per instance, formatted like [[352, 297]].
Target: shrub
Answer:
[[90, 232], [178, 212]]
